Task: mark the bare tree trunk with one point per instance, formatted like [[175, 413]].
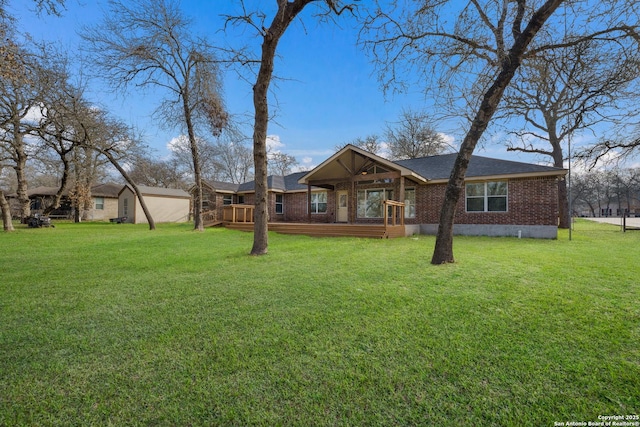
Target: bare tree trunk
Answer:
[[20, 168], [198, 225], [443, 252], [134, 187], [563, 195], [287, 11], [63, 183], [6, 213]]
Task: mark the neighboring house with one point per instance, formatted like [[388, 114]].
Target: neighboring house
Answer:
[[500, 197], [104, 203], [216, 195], [164, 204]]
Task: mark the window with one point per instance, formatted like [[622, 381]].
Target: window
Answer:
[[227, 199], [410, 203], [125, 207], [99, 203], [487, 196], [319, 202], [370, 202], [376, 169], [241, 199], [279, 204]]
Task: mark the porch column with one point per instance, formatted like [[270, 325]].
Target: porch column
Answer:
[[353, 200], [309, 203]]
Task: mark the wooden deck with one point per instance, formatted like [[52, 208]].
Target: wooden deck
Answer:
[[327, 230], [240, 217]]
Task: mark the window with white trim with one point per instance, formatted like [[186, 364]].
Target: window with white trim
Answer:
[[410, 203], [486, 196], [319, 202], [227, 199], [279, 203], [370, 202], [99, 203]]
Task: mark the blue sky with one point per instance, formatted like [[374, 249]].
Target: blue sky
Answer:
[[330, 97]]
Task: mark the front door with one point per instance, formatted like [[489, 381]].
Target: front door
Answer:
[[343, 206]]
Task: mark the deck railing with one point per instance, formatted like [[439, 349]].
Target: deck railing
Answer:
[[238, 213], [397, 213]]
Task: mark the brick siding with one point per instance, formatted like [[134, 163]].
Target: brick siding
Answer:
[[531, 201]]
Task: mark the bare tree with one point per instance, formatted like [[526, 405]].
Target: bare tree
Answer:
[[233, 162], [370, 143], [483, 42], [55, 124], [20, 96], [270, 35], [586, 190], [100, 132], [157, 173], [414, 136], [281, 163], [149, 42], [182, 157], [562, 92]]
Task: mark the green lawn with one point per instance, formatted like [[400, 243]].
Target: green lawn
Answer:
[[106, 324]]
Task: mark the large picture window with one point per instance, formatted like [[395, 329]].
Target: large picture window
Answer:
[[486, 196], [319, 202], [370, 202]]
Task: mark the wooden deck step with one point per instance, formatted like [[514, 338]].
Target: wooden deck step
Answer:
[[212, 223]]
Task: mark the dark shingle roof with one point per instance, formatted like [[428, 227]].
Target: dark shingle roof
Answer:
[[277, 182], [439, 167], [106, 190], [223, 186]]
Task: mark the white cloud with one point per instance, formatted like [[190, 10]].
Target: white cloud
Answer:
[[179, 143], [274, 144], [450, 140]]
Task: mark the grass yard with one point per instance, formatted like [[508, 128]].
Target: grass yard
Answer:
[[105, 324]]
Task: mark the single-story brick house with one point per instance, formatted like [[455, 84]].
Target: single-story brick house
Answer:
[[501, 198], [104, 202], [164, 204]]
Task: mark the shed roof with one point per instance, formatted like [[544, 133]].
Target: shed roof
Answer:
[[160, 191]]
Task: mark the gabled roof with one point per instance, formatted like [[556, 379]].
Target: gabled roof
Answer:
[[277, 183], [159, 191], [349, 161], [438, 168]]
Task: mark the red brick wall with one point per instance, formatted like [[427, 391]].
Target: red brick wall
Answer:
[[531, 201], [295, 208]]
